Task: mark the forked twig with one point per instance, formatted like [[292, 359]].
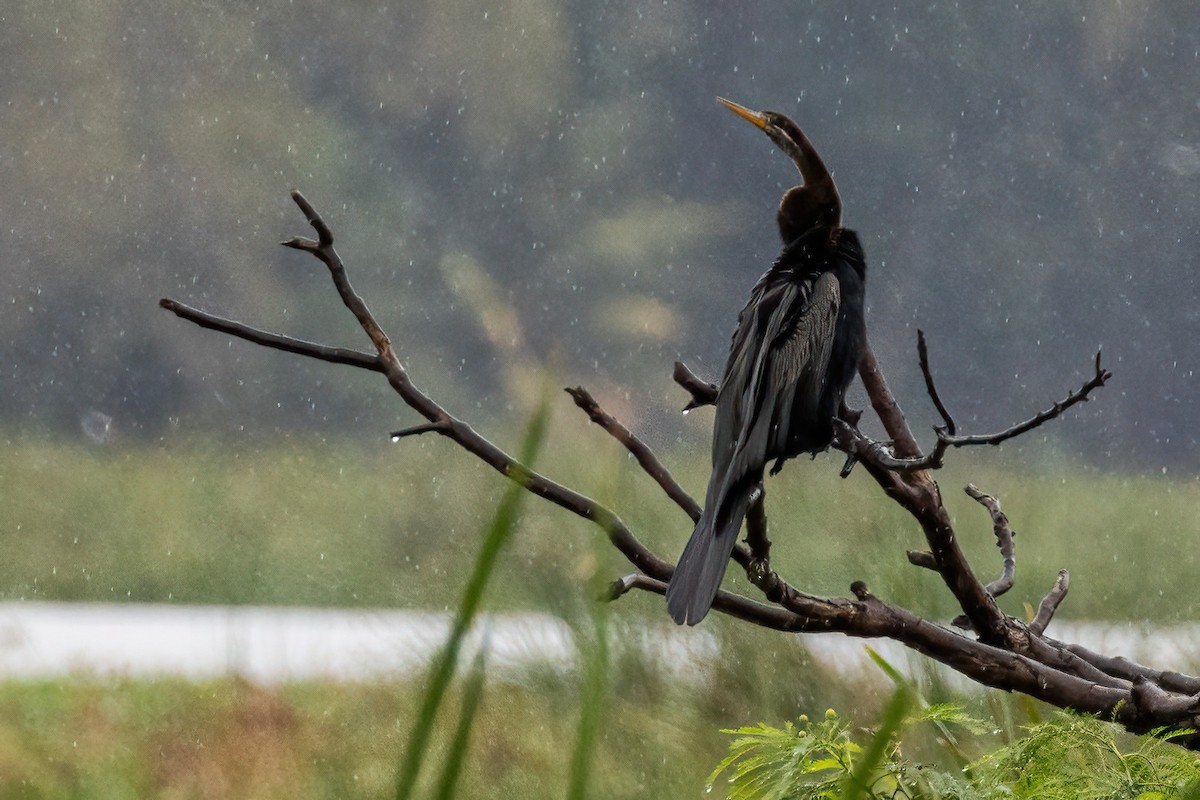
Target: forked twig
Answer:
[[850, 440], [703, 393], [638, 449]]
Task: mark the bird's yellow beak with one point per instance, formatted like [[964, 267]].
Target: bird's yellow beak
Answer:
[[755, 118]]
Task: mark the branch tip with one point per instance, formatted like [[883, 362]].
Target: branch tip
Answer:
[[300, 243], [703, 393], [619, 587], [922, 558], [429, 427], [930, 387], [1050, 603], [634, 580], [324, 234]]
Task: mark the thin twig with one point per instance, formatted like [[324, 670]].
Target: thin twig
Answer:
[[623, 585], [703, 393], [417, 430], [638, 449], [459, 431], [923, 358], [323, 250], [321, 352], [1004, 540], [851, 440], [1050, 603], [1056, 410]]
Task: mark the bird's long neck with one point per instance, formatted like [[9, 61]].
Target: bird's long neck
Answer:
[[814, 203], [808, 161], [804, 208]]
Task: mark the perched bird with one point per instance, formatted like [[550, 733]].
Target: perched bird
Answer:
[[797, 346]]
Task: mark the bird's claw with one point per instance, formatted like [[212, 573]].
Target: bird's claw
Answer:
[[850, 416]]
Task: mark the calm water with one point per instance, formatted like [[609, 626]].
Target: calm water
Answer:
[[274, 645]]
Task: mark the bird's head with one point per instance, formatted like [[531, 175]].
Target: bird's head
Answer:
[[815, 202]]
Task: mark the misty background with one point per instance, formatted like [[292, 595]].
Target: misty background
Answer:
[[551, 182]]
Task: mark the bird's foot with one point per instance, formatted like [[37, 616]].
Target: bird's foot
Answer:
[[851, 460], [849, 415]]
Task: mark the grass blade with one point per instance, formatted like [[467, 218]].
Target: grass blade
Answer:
[[592, 701], [472, 693], [858, 782], [442, 669]]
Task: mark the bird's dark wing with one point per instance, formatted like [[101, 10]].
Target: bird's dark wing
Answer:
[[778, 384], [774, 380]]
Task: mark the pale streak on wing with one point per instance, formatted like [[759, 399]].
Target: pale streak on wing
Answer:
[[799, 364]]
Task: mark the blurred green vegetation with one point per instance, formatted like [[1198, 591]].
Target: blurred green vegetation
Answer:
[[117, 738], [1068, 757], [329, 523], [306, 521]]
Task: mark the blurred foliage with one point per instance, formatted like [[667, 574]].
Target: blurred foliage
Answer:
[[329, 523], [918, 750], [98, 736], [1068, 757], [550, 179], [117, 738]]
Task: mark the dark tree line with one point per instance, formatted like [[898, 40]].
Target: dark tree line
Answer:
[[1036, 166]]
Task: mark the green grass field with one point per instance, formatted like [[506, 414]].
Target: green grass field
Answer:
[[135, 739], [314, 523], [318, 523]]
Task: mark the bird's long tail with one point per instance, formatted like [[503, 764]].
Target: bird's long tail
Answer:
[[702, 563]]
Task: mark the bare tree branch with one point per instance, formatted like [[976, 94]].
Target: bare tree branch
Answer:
[[702, 392], [850, 440], [1004, 540], [1006, 653], [1050, 603], [334, 355], [1055, 411], [638, 449], [923, 358]]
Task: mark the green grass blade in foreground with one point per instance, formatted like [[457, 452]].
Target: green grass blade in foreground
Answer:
[[858, 782], [940, 715], [594, 656], [472, 692], [442, 669]]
